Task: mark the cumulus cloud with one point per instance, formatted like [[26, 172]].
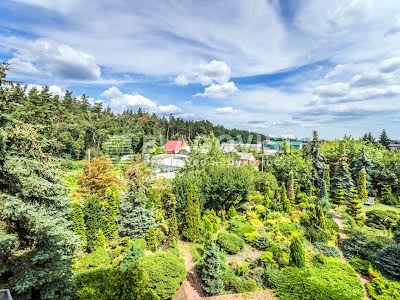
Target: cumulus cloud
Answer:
[[120, 101], [55, 90], [49, 58], [219, 91], [206, 74], [228, 110]]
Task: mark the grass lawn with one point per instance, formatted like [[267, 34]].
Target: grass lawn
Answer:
[[379, 206]]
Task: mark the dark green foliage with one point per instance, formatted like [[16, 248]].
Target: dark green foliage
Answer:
[[384, 139], [317, 159], [165, 272], [342, 174], [192, 225], [323, 198], [380, 219], [332, 279], [383, 289], [133, 254], [327, 250], [364, 162], [78, 221], [363, 245], [387, 260], [169, 202], [327, 178], [290, 188], [94, 219], [297, 253], [210, 272], [354, 206], [230, 242], [135, 219], [360, 265], [34, 212]]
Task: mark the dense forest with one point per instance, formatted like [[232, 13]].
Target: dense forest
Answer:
[[101, 229]]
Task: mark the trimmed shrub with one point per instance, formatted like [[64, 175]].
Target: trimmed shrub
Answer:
[[382, 220], [229, 242], [327, 250], [382, 289], [297, 253], [267, 259], [363, 245], [165, 272], [239, 226], [387, 261], [360, 265], [211, 281]]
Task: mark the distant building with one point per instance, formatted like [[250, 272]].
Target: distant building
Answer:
[[168, 162], [246, 159], [230, 147], [175, 147], [272, 146], [394, 146]]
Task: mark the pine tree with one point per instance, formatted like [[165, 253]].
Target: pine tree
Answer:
[[290, 187], [384, 139], [192, 225], [211, 272], [328, 179], [362, 185], [317, 160], [364, 162], [78, 221], [354, 206], [297, 253], [169, 201], [387, 196], [339, 195], [323, 198], [342, 174], [36, 242], [285, 202], [152, 239]]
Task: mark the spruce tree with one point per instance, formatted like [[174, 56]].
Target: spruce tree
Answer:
[[290, 187], [78, 221], [36, 242], [362, 185], [384, 139], [323, 198], [297, 253], [328, 179], [342, 175], [317, 160], [169, 202], [211, 270], [192, 224], [354, 206], [364, 162], [285, 202], [339, 195]]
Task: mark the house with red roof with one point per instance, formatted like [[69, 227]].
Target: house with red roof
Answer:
[[174, 147]]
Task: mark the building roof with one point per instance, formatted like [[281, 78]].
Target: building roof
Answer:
[[174, 146], [394, 145]]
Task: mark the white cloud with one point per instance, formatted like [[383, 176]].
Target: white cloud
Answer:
[[205, 74], [228, 110], [219, 91], [120, 101], [390, 64], [50, 59], [55, 90]]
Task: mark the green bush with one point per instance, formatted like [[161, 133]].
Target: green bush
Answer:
[[165, 271], [327, 250], [239, 226], [229, 242], [267, 259], [387, 261], [237, 284], [360, 265], [363, 244], [380, 219], [382, 289], [333, 279], [262, 241]]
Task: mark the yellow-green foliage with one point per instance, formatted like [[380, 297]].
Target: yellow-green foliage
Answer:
[[383, 289], [229, 242]]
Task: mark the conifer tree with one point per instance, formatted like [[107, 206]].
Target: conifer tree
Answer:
[[232, 212], [100, 239], [297, 253], [362, 185], [78, 221], [354, 206], [317, 160], [327, 178], [94, 220], [36, 242], [169, 202], [323, 198], [339, 195], [384, 139], [192, 225], [211, 272], [310, 189], [364, 162], [111, 210], [152, 239], [285, 202], [387, 196], [342, 174], [290, 187]]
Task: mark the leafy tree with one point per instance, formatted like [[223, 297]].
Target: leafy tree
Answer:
[[211, 272], [384, 139], [362, 185], [297, 253], [339, 195], [36, 241], [317, 159], [192, 225], [135, 218], [354, 206], [342, 175], [78, 221]]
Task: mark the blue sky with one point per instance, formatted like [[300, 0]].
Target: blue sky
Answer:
[[276, 67]]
